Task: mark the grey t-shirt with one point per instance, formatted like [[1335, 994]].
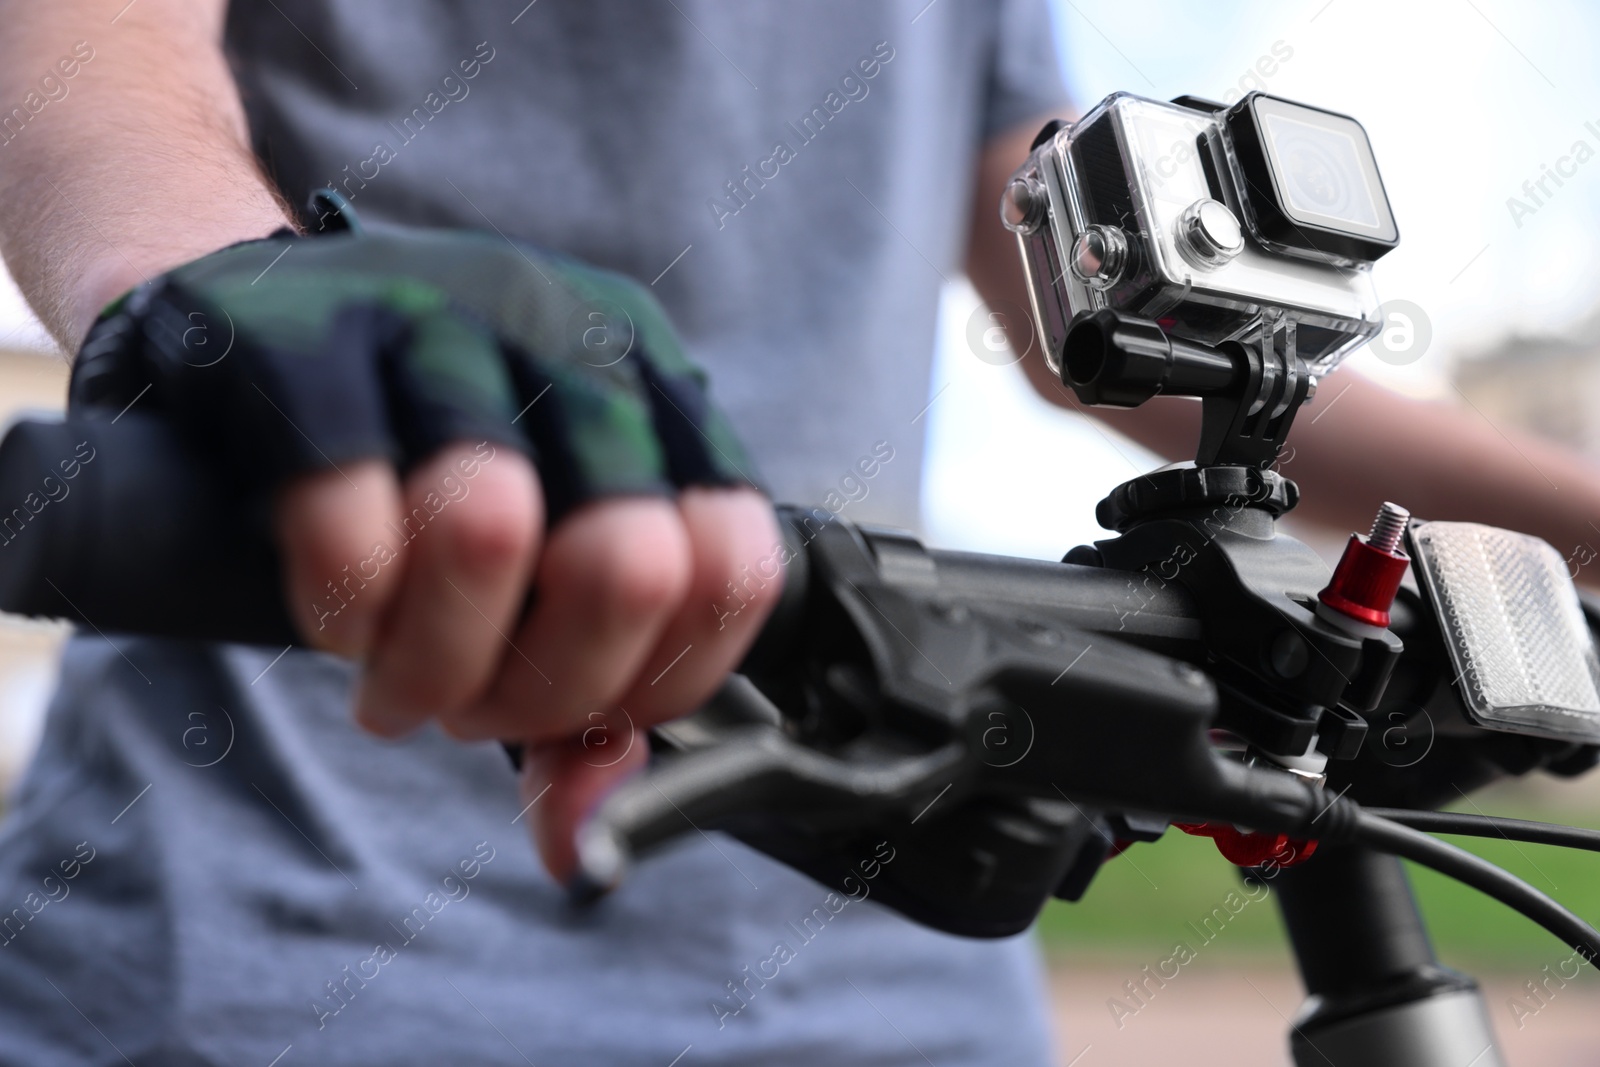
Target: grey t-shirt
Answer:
[[208, 863]]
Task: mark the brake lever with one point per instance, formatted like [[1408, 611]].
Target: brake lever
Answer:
[[748, 769]]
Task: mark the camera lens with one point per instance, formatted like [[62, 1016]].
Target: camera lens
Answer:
[[1321, 171], [1310, 185], [1311, 173]]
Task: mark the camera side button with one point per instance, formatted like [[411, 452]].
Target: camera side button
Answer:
[[1208, 233], [1024, 206], [1099, 255]]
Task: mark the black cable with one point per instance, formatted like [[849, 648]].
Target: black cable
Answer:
[[1388, 836], [1450, 822]]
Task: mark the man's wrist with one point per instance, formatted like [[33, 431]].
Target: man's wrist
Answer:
[[101, 284], [109, 277]]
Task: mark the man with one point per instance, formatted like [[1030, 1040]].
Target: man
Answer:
[[793, 182]]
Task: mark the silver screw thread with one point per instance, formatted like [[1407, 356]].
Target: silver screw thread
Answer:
[[1388, 527]]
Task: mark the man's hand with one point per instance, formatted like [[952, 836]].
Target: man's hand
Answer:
[[624, 633], [447, 424]]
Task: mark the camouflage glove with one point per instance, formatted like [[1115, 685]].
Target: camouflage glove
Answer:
[[289, 355]]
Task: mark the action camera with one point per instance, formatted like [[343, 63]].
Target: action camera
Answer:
[[1256, 223]]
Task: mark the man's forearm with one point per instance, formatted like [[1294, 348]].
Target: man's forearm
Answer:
[[136, 162]]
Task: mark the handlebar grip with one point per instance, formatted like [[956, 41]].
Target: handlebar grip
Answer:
[[119, 525]]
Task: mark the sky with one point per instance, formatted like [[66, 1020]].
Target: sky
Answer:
[[1463, 100]]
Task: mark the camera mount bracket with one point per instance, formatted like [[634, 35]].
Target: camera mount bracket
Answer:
[[1250, 426], [1250, 389], [1212, 528]]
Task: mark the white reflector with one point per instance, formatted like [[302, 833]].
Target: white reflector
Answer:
[[1523, 654]]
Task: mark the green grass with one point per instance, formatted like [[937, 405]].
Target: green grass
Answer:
[[1143, 903]]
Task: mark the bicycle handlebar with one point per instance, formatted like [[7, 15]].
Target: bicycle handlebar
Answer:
[[148, 537], [120, 525]]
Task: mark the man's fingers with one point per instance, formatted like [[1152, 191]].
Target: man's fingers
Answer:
[[732, 581], [565, 782], [611, 577], [328, 524], [737, 575], [470, 532]]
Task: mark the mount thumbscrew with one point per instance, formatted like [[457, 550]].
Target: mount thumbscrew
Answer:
[[1368, 575]]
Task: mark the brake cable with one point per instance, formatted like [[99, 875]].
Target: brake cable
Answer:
[[1389, 835], [1491, 826]]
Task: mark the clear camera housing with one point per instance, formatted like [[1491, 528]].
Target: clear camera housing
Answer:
[[1255, 222]]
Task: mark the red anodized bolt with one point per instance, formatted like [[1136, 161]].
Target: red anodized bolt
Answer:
[[1368, 575]]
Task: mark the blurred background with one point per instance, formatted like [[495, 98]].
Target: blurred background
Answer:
[[1464, 101]]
